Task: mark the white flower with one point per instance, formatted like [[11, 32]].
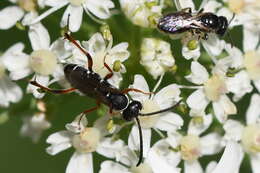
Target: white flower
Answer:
[[43, 61], [142, 12], [247, 136], [85, 140], [214, 90], [9, 91], [214, 46], [192, 146], [247, 14], [34, 126], [248, 64], [156, 56], [167, 121], [98, 8], [100, 52]]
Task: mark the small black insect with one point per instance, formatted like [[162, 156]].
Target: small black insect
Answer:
[[91, 84], [200, 23]]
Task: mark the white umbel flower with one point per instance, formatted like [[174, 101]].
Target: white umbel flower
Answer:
[[214, 90], [247, 136], [156, 56], [10, 92], [34, 126], [98, 49], [167, 121], [75, 8], [142, 12], [85, 140]]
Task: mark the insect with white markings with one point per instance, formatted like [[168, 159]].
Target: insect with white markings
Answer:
[[200, 23], [91, 84]]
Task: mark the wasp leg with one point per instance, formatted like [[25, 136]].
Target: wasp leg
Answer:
[[205, 36], [110, 74], [54, 91], [127, 90], [188, 9], [88, 111], [73, 41]]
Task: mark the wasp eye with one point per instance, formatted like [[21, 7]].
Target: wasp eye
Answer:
[[132, 110]]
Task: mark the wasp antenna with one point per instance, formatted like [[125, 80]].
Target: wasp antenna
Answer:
[[141, 142], [160, 111], [231, 19]]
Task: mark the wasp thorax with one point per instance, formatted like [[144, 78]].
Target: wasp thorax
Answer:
[[252, 64], [210, 20], [215, 87], [87, 141], [251, 138], [142, 168], [190, 147], [149, 121], [2, 70], [119, 101], [77, 2], [43, 62], [132, 110]]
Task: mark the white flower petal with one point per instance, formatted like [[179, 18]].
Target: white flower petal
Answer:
[[239, 85], [257, 84], [184, 4], [54, 3], [110, 148], [9, 16], [127, 157], [59, 137], [39, 37], [43, 80], [223, 108], [230, 160], [141, 84], [191, 54], [211, 166], [251, 38], [100, 8], [199, 74], [134, 142], [233, 130], [80, 163], [76, 15], [193, 167], [9, 92], [213, 45], [167, 96], [210, 144], [161, 159], [197, 100], [253, 111], [169, 122], [197, 129], [112, 167], [255, 160], [119, 52]]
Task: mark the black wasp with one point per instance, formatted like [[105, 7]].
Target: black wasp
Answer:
[[91, 84], [200, 23]]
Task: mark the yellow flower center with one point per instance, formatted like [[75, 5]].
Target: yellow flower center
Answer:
[[142, 168], [28, 5], [190, 147], [87, 141], [236, 5], [215, 87], [43, 62], [2, 70], [252, 64], [149, 121], [251, 138], [77, 2]]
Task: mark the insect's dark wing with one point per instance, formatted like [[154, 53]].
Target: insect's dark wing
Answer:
[[175, 23]]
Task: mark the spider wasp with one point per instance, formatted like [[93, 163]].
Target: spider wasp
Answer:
[[200, 23], [92, 85]]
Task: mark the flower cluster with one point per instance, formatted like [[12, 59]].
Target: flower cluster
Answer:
[[214, 89]]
